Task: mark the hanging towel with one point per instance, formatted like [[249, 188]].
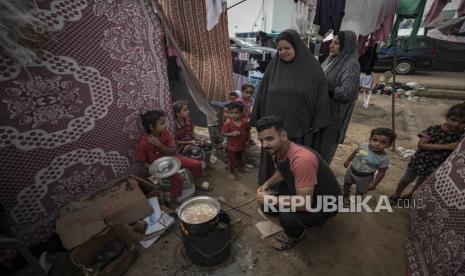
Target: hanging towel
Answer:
[[386, 20], [214, 10]]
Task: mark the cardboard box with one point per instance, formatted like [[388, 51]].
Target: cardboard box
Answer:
[[122, 203], [83, 255], [79, 222]]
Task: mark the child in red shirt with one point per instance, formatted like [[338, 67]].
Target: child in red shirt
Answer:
[[157, 142], [189, 143], [247, 90], [246, 99], [236, 129]]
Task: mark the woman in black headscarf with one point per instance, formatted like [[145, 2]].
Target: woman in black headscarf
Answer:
[[342, 72], [294, 89]]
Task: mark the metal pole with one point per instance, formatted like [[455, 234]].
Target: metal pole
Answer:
[[235, 5], [393, 95]]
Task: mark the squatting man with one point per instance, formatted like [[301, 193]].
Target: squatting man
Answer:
[[303, 190], [299, 171]]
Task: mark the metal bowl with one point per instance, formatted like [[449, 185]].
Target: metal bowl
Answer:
[[165, 167]]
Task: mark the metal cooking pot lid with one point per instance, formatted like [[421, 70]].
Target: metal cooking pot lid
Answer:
[[165, 167]]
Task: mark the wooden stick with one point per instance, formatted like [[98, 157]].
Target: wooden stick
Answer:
[[143, 180]]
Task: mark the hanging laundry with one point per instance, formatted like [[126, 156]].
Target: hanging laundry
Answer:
[[385, 22], [329, 14], [435, 10], [456, 27], [461, 9], [310, 3], [362, 42], [368, 59], [214, 9], [361, 16], [408, 9]]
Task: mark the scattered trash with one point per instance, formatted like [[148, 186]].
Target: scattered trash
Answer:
[[260, 211], [148, 243], [205, 186], [221, 199], [405, 153], [213, 159], [247, 263], [268, 228], [156, 223]]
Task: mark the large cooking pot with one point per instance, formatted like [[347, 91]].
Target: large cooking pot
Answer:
[[204, 227]]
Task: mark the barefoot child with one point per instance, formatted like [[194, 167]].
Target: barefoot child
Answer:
[[236, 130], [366, 160], [157, 142], [435, 145], [189, 143]]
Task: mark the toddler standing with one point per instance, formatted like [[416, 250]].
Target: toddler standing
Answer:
[[236, 129], [366, 160]]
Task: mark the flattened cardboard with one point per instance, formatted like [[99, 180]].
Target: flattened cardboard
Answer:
[[122, 203], [268, 228], [79, 222]]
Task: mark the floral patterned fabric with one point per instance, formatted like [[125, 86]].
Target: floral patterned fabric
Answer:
[[424, 162], [69, 122], [437, 243]]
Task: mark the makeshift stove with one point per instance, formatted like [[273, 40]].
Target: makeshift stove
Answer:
[[209, 243]]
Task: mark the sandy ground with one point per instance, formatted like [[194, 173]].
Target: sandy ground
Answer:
[[348, 244]]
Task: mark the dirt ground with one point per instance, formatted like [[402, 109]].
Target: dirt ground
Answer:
[[348, 244]]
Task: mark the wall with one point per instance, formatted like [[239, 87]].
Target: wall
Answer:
[[249, 16]]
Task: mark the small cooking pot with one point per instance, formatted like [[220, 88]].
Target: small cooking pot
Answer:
[[203, 227]]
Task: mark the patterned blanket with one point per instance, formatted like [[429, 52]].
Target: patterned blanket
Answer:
[[69, 122], [437, 242]]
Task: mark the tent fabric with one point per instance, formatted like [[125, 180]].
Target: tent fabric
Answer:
[[207, 52], [437, 218], [69, 122], [192, 83]]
